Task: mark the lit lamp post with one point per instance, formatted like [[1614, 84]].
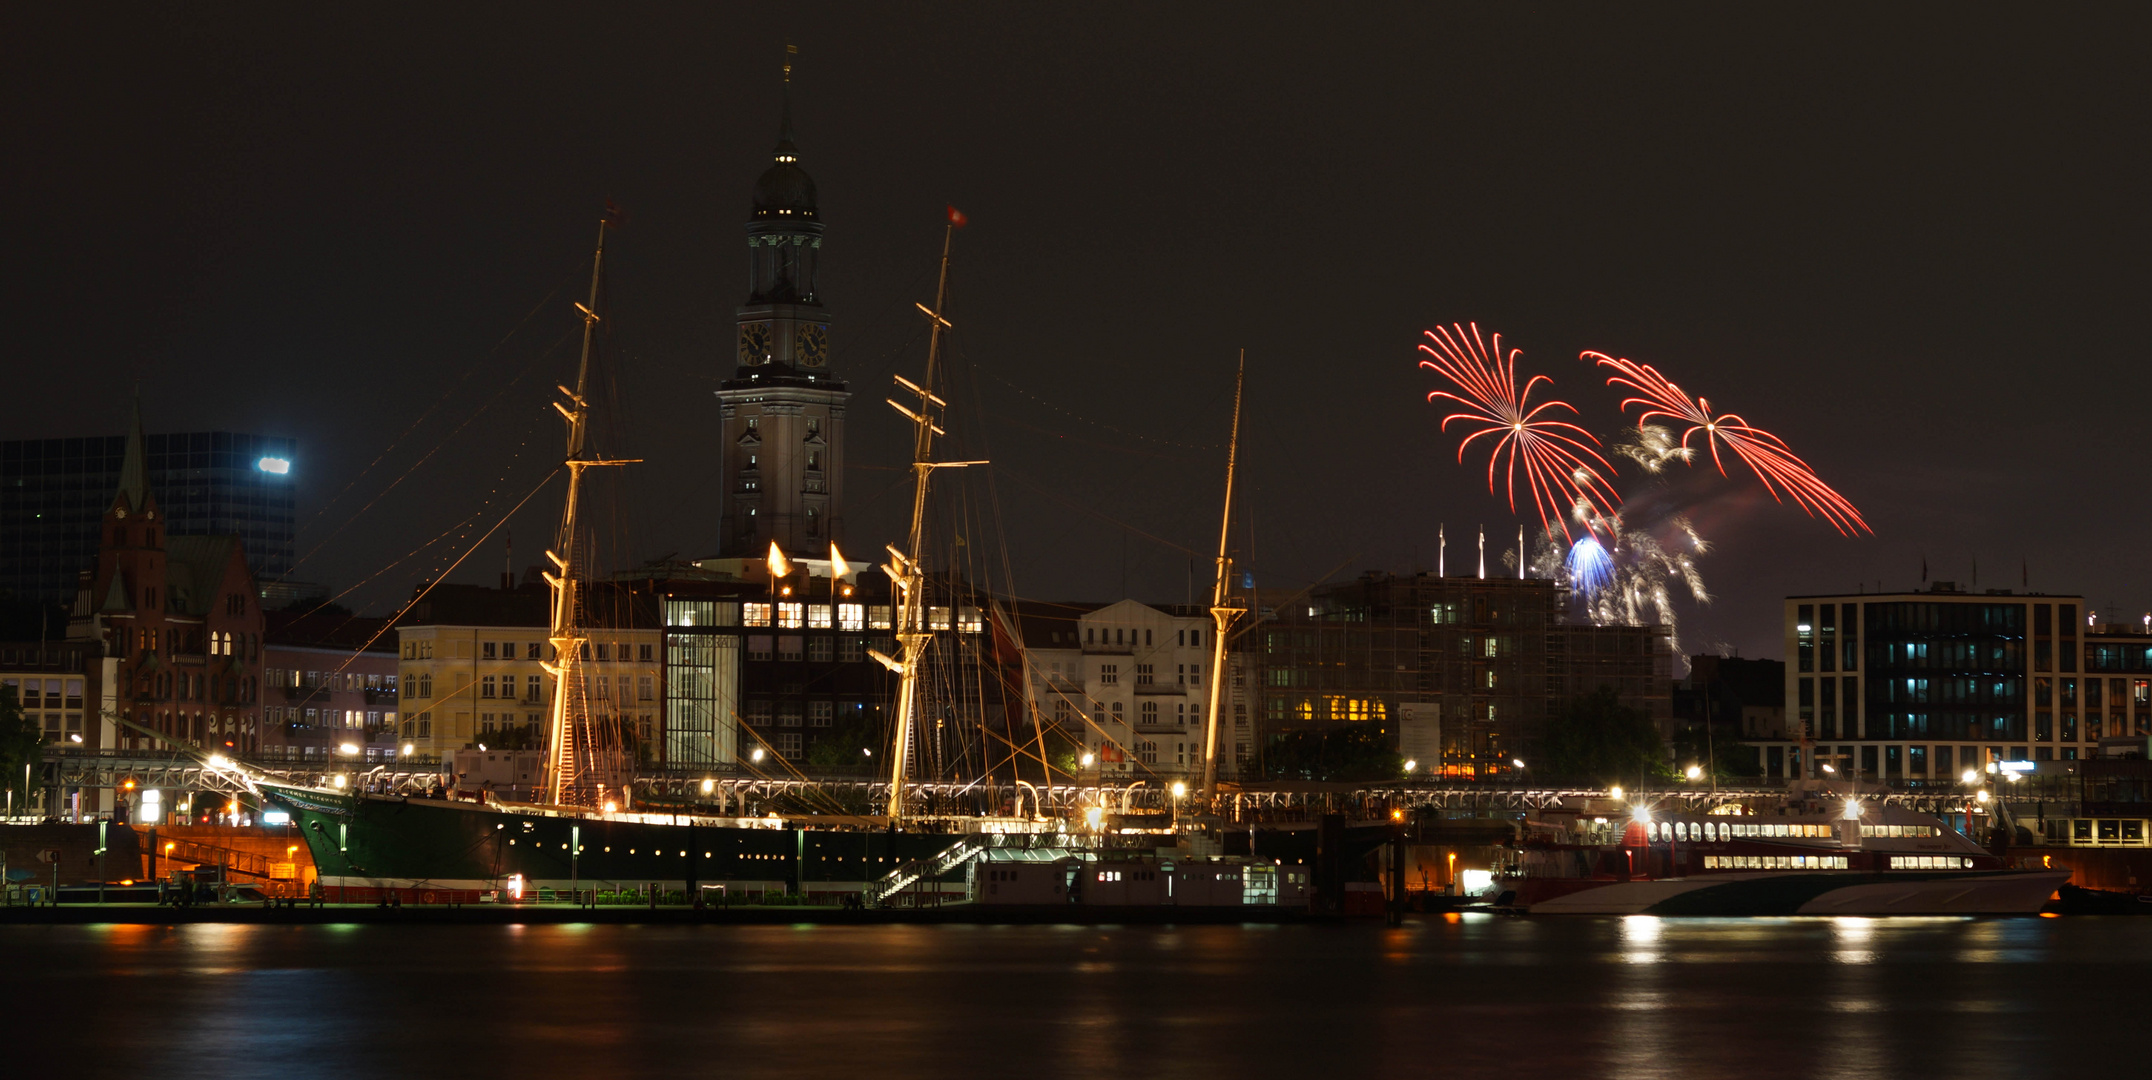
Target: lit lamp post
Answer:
[[1179, 790]]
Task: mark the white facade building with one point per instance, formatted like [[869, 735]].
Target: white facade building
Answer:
[[1134, 680]]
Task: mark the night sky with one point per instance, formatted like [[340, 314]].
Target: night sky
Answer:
[[1910, 240]]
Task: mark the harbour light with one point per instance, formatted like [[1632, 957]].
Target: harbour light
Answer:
[[278, 466]]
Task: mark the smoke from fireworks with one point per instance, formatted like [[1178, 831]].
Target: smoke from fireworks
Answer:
[[1766, 454], [1557, 456]]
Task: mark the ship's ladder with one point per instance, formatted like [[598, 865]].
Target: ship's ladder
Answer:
[[910, 873]]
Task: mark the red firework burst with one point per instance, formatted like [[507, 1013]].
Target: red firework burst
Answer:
[[1559, 462], [1766, 454]]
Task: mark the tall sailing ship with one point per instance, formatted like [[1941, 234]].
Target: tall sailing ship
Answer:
[[947, 747]]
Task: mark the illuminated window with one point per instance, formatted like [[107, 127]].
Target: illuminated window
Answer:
[[791, 615], [818, 616], [753, 614]]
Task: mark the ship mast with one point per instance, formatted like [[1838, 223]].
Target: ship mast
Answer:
[[903, 567], [1223, 613], [570, 757]]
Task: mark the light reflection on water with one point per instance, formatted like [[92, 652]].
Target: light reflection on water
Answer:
[[1635, 998]]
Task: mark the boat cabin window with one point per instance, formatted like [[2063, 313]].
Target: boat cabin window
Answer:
[[1900, 831], [1774, 862], [1930, 862]]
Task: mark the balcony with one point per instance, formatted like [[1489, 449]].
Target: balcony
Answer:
[[1154, 689], [1165, 726]]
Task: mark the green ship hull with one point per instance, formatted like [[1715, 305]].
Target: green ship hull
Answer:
[[366, 847]]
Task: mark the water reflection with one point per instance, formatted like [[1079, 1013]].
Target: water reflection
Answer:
[[1640, 997]]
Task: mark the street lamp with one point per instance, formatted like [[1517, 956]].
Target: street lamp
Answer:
[[755, 756], [1614, 792], [1086, 760], [1693, 772], [1411, 764], [1094, 816]]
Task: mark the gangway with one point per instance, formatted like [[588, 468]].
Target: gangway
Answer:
[[908, 874]]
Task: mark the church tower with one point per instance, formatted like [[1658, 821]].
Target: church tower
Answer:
[[783, 410]]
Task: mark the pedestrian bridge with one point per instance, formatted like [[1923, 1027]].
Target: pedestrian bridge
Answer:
[[747, 793]]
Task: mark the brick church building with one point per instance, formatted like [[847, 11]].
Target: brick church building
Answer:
[[180, 622]]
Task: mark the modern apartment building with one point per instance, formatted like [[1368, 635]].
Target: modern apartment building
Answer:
[[1920, 686], [329, 689]]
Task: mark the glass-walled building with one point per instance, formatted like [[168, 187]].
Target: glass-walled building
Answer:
[[53, 492], [1924, 685]]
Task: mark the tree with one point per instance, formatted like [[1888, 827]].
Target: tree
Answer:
[[1596, 739], [1351, 752], [843, 747], [1730, 757], [22, 744]]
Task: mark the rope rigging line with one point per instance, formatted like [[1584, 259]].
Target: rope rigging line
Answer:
[[428, 456]]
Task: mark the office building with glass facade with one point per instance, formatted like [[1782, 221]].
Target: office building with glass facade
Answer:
[[53, 492], [1921, 686]]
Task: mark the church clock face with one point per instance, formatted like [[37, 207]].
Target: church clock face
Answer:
[[754, 343], [814, 346]]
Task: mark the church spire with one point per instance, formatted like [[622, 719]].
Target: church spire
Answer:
[[786, 152], [134, 470]]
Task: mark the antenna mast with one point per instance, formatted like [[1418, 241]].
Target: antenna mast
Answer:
[[1222, 612], [568, 733], [903, 567]]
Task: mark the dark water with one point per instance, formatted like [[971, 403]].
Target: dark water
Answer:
[[1637, 997]]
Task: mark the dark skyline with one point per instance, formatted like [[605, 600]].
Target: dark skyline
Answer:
[[1908, 240]]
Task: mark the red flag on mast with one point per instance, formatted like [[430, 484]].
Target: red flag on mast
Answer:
[[956, 218]]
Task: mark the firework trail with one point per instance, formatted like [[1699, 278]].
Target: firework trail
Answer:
[[1557, 456], [1766, 454]]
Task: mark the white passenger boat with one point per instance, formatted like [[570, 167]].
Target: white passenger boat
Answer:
[[1814, 853]]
